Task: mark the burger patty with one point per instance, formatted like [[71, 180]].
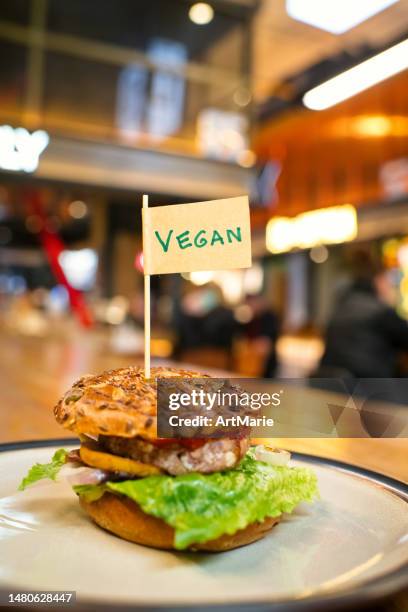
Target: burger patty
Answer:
[[213, 456]]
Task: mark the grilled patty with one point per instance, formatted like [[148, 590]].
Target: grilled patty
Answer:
[[212, 456]]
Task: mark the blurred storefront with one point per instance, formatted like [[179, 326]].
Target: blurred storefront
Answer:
[[352, 154], [97, 108]]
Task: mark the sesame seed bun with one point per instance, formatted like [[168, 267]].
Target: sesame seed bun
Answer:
[[115, 403], [124, 518]]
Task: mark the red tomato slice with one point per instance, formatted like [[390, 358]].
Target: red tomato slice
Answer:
[[189, 443]]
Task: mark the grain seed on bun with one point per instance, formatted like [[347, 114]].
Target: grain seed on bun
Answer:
[[116, 403]]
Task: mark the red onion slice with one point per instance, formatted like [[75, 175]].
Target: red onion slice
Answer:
[[88, 476]]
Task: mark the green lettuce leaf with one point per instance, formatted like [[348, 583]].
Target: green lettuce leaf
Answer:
[[203, 507], [44, 470]]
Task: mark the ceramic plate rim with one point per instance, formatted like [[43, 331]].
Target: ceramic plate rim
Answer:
[[373, 590]]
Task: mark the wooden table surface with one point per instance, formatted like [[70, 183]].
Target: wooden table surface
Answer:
[[35, 372]]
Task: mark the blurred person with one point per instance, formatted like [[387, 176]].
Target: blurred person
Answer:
[[205, 328], [136, 309], [365, 336], [262, 331]]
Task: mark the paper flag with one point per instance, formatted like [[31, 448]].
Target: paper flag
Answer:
[[214, 235]]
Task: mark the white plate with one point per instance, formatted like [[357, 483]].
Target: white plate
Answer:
[[353, 540]]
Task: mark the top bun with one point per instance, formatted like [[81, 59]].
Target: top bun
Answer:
[[116, 403]]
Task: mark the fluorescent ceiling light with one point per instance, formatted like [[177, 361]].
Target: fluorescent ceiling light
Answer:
[[335, 16], [358, 78]]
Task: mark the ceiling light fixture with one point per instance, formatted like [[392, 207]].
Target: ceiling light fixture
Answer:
[[336, 16], [201, 13], [358, 78], [77, 209]]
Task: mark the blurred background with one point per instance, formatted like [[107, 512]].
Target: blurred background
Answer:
[[101, 102]]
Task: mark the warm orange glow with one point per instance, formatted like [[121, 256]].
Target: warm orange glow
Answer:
[[161, 347], [324, 226], [370, 126]]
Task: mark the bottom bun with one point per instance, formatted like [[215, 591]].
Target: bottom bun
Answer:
[[124, 518]]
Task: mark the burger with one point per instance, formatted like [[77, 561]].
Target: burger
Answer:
[[196, 494]]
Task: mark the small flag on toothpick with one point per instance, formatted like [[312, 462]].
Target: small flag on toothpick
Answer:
[[214, 235]]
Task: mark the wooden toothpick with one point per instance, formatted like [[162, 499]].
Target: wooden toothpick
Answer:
[[146, 311]]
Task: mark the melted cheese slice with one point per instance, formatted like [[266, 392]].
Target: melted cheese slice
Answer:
[[113, 463]]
